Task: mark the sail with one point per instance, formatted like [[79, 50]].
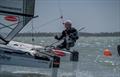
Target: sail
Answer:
[[14, 15]]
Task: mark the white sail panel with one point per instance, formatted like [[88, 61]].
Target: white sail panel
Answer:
[[14, 15]]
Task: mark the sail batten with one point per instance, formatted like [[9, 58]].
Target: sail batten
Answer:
[[14, 15]]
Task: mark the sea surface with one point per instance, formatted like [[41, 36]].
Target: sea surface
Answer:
[[91, 63]]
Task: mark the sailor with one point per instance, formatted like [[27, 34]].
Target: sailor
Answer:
[[69, 36]]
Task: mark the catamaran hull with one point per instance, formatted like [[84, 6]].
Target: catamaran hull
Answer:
[[6, 59], [65, 56], [21, 54]]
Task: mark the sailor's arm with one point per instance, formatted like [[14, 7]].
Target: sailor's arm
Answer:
[[61, 37]]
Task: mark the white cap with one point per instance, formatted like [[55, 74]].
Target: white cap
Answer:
[[68, 21]]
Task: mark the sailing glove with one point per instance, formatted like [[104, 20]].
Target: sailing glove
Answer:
[[56, 37]]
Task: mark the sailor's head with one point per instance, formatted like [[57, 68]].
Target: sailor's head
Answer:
[[67, 24]]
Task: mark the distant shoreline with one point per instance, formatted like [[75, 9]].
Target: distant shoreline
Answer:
[[102, 34]]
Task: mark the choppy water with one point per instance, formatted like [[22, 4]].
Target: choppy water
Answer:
[[91, 63]]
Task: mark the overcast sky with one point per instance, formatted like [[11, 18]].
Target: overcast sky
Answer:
[[95, 15]]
